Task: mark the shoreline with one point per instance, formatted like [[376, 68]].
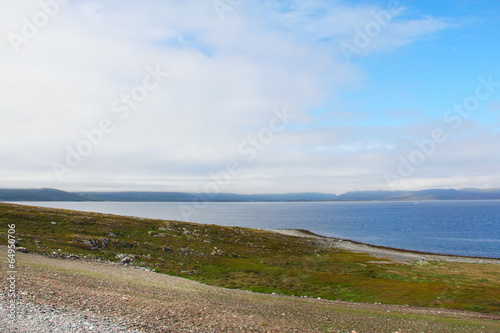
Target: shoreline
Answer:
[[379, 251]]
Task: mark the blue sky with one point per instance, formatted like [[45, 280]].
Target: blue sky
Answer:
[[249, 96]]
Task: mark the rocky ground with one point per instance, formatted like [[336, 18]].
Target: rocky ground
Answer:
[[75, 295], [39, 318]]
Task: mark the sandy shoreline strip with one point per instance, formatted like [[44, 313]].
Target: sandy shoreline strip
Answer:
[[393, 254]]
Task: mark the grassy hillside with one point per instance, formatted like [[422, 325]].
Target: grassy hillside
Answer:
[[253, 259]]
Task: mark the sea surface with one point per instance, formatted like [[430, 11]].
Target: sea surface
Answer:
[[469, 228]]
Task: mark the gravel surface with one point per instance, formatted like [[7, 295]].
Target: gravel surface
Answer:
[[63, 295], [38, 318], [384, 252]]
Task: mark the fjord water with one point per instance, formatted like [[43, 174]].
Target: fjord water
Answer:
[[469, 228]]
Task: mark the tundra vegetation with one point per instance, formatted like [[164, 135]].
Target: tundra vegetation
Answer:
[[255, 260]]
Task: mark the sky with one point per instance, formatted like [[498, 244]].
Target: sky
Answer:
[[249, 96]]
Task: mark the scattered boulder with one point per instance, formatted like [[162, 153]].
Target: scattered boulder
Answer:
[[90, 243], [104, 242], [217, 252], [71, 256], [126, 258], [22, 249]]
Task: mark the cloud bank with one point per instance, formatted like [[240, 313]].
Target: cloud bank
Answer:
[[80, 80]]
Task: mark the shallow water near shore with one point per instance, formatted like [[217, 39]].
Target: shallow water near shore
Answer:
[[470, 228]]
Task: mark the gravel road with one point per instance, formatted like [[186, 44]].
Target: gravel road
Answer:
[[62, 295], [39, 318]]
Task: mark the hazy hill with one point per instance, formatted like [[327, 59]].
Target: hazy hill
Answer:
[[431, 194], [44, 194], [139, 196]]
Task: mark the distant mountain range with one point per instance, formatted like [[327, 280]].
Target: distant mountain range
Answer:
[[48, 194]]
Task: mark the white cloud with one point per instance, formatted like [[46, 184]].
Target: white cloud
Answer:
[[226, 76]]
